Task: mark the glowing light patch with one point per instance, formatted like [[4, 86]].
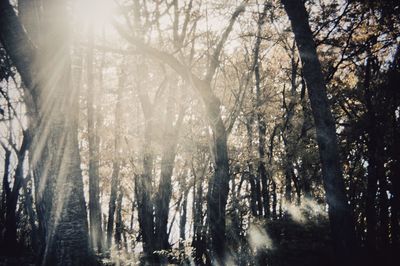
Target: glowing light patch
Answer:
[[258, 238], [96, 12]]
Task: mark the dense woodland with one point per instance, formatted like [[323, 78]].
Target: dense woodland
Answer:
[[198, 132]]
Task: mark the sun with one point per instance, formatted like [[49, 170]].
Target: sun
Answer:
[[94, 12]]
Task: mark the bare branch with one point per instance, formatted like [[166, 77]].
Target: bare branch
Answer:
[[215, 57]]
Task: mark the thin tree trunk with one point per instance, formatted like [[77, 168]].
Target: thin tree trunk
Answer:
[[199, 241], [288, 185], [288, 166], [6, 191], [274, 200], [183, 212], [116, 162], [251, 177], [119, 226], [94, 190], [112, 202], [280, 210], [380, 125], [372, 146], [28, 205], [383, 208], [262, 127], [273, 183], [287, 131]]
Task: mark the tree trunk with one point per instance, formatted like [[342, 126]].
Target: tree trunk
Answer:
[[340, 215], [274, 200], [10, 235], [395, 200], [287, 130], [94, 190], [143, 181], [394, 95], [145, 205], [183, 213], [28, 205], [219, 183], [262, 127], [112, 202], [167, 165], [251, 176], [372, 154], [288, 185], [253, 190], [199, 238], [394, 178], [119, 226], [383, 207], [262, 171], [116, 162], [6, 191]]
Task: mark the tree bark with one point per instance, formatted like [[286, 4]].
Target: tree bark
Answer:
[[340, 214]]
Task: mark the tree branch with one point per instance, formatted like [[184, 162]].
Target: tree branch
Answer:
[[215, 58]]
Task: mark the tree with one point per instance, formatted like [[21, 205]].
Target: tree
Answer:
[[340, 215], [55, 154]]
